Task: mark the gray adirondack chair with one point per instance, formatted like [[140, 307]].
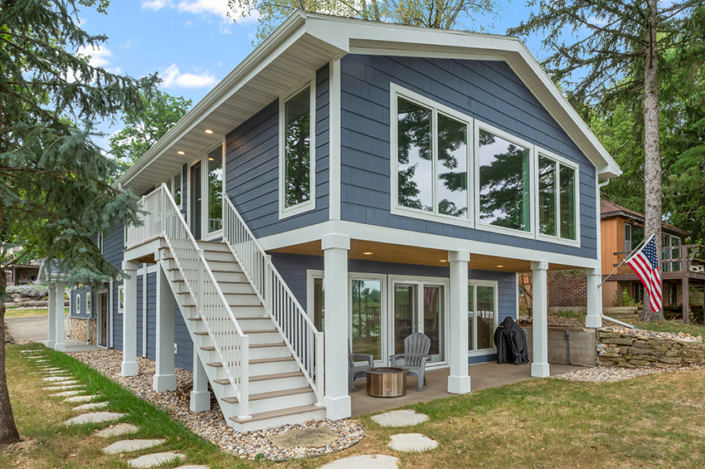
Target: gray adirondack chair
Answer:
[[415, 356], [358, 371]]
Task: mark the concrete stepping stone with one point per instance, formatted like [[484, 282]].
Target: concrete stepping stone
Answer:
[[193, 466], [400, 418], [412, 443], [63, 388], [62, 383], [30, 350], [95, 417], [53, 372], [308, 438], [75, 399], [156, 459], [117, 430], [92, 406], [57, 378], [365, 461], [128, 446], [68, 393]]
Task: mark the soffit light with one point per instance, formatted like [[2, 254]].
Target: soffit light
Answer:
[[500, 266], [209, 131], [181, 152], [211, 159], [368, 253], [443, 260]]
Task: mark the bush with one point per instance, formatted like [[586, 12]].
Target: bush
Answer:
[[30, 291]]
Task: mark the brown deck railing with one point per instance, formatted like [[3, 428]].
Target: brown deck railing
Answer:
[[691, 259]]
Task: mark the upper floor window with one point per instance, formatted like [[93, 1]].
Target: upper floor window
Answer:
[[633, 236], [557, 198], [671, 250], [297, 151]]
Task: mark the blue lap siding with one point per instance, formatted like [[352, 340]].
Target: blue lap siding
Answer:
[[488, 91]]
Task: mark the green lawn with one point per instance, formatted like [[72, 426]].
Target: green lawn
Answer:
[[653, 421], [673, 326], [28, 313]]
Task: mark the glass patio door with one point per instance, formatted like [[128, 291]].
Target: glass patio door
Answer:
[[366, 313], [482, 316]]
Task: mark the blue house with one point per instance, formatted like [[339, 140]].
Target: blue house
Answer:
[[348, 184]]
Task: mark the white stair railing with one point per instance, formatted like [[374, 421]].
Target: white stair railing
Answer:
[[302, 338], [163, 219]]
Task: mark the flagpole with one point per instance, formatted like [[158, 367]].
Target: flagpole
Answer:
[[626, 258]]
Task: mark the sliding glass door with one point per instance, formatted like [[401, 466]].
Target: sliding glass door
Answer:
[[366, 309], [482, 315]]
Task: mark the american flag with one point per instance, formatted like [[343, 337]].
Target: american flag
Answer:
[[645, 265]]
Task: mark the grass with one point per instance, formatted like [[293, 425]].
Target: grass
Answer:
[[653, 421], [673, 326], [28, 312]]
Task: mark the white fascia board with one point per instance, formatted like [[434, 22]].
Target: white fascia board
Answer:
[[287, 33], [380, 234]]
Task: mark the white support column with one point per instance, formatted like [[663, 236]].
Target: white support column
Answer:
[[164, 377], [60, 344], [129, 321], [52, 315], [458, 381], [200, 397], [335, 259], [539, 289], [594, 298]]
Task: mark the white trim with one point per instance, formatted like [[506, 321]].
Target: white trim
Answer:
[[121, 292], [144, 309], [205, 220], [111, 335], [436, 108], [516, 292], [100, 241], [484, 283], [285, 212], [311, 274], [170, 183], [334, 141], [99, 322], [480, 225]]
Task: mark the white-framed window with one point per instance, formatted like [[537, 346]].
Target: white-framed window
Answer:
[[175, 186], [89, 303], [297, 150], [99, 241], [558, 196], [670, 249], [121, 299], [483, 315], [430, 159], [633, 236]]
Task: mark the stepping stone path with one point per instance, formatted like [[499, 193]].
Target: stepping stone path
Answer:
[[400, 418], [308, 438], [117, 430], [57, 378], [63, 388], [79, 399], [128, 446], [412, 443], [92, 406], [366, 461], [156, 459], [95, 417], [68, 393]]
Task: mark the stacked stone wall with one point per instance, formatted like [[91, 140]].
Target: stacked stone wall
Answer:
[[642, 349], [78, 330]]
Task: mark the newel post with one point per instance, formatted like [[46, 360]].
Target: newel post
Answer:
[[268, 284], [244, 398], [201, 279]]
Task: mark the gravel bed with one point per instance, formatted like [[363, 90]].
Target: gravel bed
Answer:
[[211, 425], [609, 374], [554, 321]]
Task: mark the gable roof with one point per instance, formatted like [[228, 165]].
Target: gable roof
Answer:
[[304, 43], [609, 209]]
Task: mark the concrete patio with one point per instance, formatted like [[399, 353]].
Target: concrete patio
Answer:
[[483, 376]]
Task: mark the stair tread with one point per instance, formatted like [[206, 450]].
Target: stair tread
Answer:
[[279, 413], [200, 333], [215, 364], [208, 348], [291, 374], [221, 381], [274, 344], [271, 394], [195, 319], [259, 331], [246, 306], [271, 360]]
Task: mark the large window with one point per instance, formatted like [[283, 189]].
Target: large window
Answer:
[[670, 249], [297, 151], [557, 198], [174, 184], [215, 190], [482, 316], [432, 158], [633, 236]]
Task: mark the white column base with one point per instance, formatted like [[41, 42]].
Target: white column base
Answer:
[[163, 383], [338, 407], [130, 369], [200, 401], [593, 321], [458, 384], [51, 344], [60, 347], [540, 370]]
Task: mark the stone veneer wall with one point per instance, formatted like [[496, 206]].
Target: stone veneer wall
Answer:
[[583, 345], [634, 350], [78, 329]]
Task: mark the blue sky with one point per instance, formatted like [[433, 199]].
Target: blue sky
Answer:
[[193, 44]]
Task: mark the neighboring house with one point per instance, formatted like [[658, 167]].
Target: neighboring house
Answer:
[[416, 170], [21, 274]]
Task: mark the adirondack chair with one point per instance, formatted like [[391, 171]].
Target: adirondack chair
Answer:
[[416, 348], [358, 371]]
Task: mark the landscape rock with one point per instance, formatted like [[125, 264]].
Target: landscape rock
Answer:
[[308, 438], [95, 417], [117, 430], [129, 446]]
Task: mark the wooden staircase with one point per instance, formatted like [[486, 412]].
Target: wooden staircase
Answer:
[[279, 392]]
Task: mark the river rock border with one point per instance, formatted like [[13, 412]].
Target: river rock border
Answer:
[[639, 348]]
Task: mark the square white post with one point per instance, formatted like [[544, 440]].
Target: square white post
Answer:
[[129, 321], [458, 381], [594, 299], [540, 367], [164, 377], [51, 341], [60, 318], [335, 259], [200, 397]]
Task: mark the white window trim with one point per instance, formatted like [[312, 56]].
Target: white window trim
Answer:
[[574, 166], [99, 323], [205, 235], [436, 108], [170, 185], [480, 225], [311, 275], [285, 212], [89, 303], [100, 241], [486, 283], [121, 292]]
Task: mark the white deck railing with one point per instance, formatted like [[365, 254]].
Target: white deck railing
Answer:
[[163, 219], [300, 335]]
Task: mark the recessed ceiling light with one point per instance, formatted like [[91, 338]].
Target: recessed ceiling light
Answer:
[[443, 260], [368, 253], [180, 152], [211, 159], [500, 266], [209, 131]]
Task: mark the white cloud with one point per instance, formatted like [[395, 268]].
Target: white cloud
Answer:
[[99, 55], [214, 7], [220, 63], [155, 4], [173, 78], [217, 8]]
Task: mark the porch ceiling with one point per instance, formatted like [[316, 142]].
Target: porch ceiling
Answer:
[[383, 252]]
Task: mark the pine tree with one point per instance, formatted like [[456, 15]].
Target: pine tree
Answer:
[[56, 192], [611, 40]]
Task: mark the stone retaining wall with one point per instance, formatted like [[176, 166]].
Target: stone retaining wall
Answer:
[[78, 330], [583, 345], [634, 350]]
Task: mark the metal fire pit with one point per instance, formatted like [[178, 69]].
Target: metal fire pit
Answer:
[[386, 382]]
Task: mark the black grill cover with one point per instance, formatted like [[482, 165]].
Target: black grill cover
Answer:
[[511, 343]]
